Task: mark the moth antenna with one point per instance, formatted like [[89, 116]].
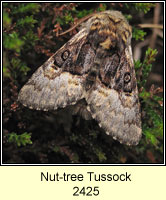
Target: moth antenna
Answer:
[[78, 23]]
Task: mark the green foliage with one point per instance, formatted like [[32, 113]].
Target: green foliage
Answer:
[[83, 13], [102, 7], [139, 7], [153, 117], [138, 34], [65, 19], [20, 140], [25, 8], [150, 103], [13, 42], [146, 66], [29, 39], [100, 154], [68, 18], [6, 72], [144, 7], [6, 20], [18, 36], [18, 65], [27, 21]]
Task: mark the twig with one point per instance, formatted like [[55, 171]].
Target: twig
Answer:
[[158, 26], [155, 21], [78, 23]]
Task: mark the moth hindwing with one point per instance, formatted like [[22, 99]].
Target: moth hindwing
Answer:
[[95, 65]]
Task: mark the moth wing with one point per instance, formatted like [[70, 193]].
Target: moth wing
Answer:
[[55, 84], [118, 114], [42, 93]]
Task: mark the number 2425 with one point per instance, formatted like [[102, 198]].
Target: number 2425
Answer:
[[86, 191]]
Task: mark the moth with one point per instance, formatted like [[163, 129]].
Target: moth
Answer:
[[95, 66]]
